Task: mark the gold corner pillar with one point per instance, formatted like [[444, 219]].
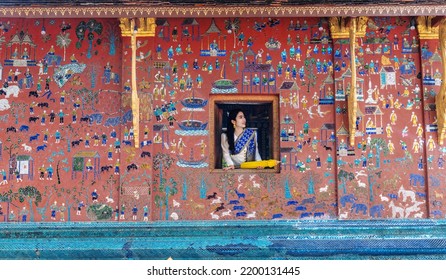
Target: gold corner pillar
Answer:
[[440, 98], [144, 27], [431, 27], [351, 28]]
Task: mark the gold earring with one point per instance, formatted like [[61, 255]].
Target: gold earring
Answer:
[[233, 125]]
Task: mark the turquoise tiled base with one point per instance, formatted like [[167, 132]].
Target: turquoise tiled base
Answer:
[[388, 239]]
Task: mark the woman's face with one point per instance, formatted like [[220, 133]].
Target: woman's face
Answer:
[[240, 120]]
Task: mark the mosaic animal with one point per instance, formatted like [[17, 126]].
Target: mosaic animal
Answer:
[[106, 168], [112, 121], [34, 137], [406, 194], [240, 195], [240, 214], [132, 167], [416, 179], [145, 154], [4, 104], [127, 142], [27, 148], [11, 90], [219, 208], [349, 198], [216, 200], [212, 196], [318, 214], [41, 147], [76, 142], [85, 119], [24, 128], [53, 59], [146, 143], [33, 119], [11, 128], [305, 215], [396, 210], [43, 104], [33, 93], [308, 200], [96, 117]]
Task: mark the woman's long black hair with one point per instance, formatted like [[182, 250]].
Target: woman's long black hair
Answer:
[[230, 127]]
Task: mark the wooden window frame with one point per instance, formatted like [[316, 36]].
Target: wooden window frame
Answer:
[[215, 123]]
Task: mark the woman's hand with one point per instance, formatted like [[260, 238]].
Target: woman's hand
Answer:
[[228, 167]]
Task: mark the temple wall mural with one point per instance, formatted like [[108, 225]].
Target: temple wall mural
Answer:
[[82, 142]]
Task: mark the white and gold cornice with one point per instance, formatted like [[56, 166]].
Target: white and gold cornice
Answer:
[[224, 11]]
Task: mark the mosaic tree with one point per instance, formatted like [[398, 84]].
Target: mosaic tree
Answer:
[[160, 162], [112, 33], [92, 27], [8, 197], [63, 40], [225, 181], [345, 176], [380, 146], [310, 179], [18, 111], [286, 188], [71, 197], [233, 26], [32, 195], [269, 180], [48, 192], [311, 76], [88, 97]]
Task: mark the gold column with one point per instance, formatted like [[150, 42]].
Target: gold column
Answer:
[[430, 27], [129, 28], [338, 28], [440, 98]]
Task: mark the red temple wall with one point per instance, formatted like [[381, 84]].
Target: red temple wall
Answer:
[[170, 173]]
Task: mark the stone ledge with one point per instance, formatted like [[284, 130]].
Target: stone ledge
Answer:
[[322, 239]]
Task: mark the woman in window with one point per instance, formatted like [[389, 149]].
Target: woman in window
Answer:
[[239, 144]]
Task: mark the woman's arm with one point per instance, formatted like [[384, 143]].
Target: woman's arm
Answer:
[[226, 155]]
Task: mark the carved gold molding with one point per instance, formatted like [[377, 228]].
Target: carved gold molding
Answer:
[[338, 27], [440, 98], [122, 11], [425, 28], [145, 27]]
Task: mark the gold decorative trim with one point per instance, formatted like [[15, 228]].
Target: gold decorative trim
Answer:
[[440, 98], [425, 28], [224, 11], [338, 28], [144, 28]]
